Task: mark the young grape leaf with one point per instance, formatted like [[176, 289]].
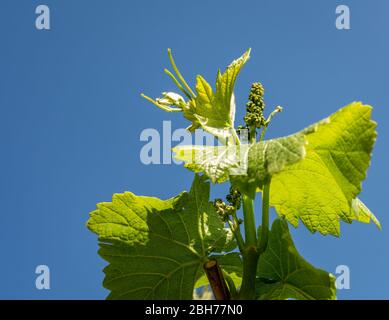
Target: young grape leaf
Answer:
[[320, 189], [212, 111], [215, 111], [155, 248], [283, 274]]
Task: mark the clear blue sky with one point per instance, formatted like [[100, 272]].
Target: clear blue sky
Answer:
[[71, 116]]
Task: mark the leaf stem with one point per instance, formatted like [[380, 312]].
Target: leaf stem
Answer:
[[263, 238], [231, 284], [262, 133], [249, 221], [235, 228]]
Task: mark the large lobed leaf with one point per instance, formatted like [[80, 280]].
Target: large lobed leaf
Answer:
[[320, 189], [284, 274], [316, 173], [156, 248]]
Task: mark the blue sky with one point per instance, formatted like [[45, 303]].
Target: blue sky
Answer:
[[71, 116]]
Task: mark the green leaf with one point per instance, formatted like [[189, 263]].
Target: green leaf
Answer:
[[284, 274], [156, 248], [320, 189], [232, 265], [246, 165], [267, 158], [215, 111], [216, 162]]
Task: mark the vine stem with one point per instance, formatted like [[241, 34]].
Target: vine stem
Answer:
[[216, 280], [250, 251], [249, 221], [253, 247], [253, 135], [263, 238], [235, 228]]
